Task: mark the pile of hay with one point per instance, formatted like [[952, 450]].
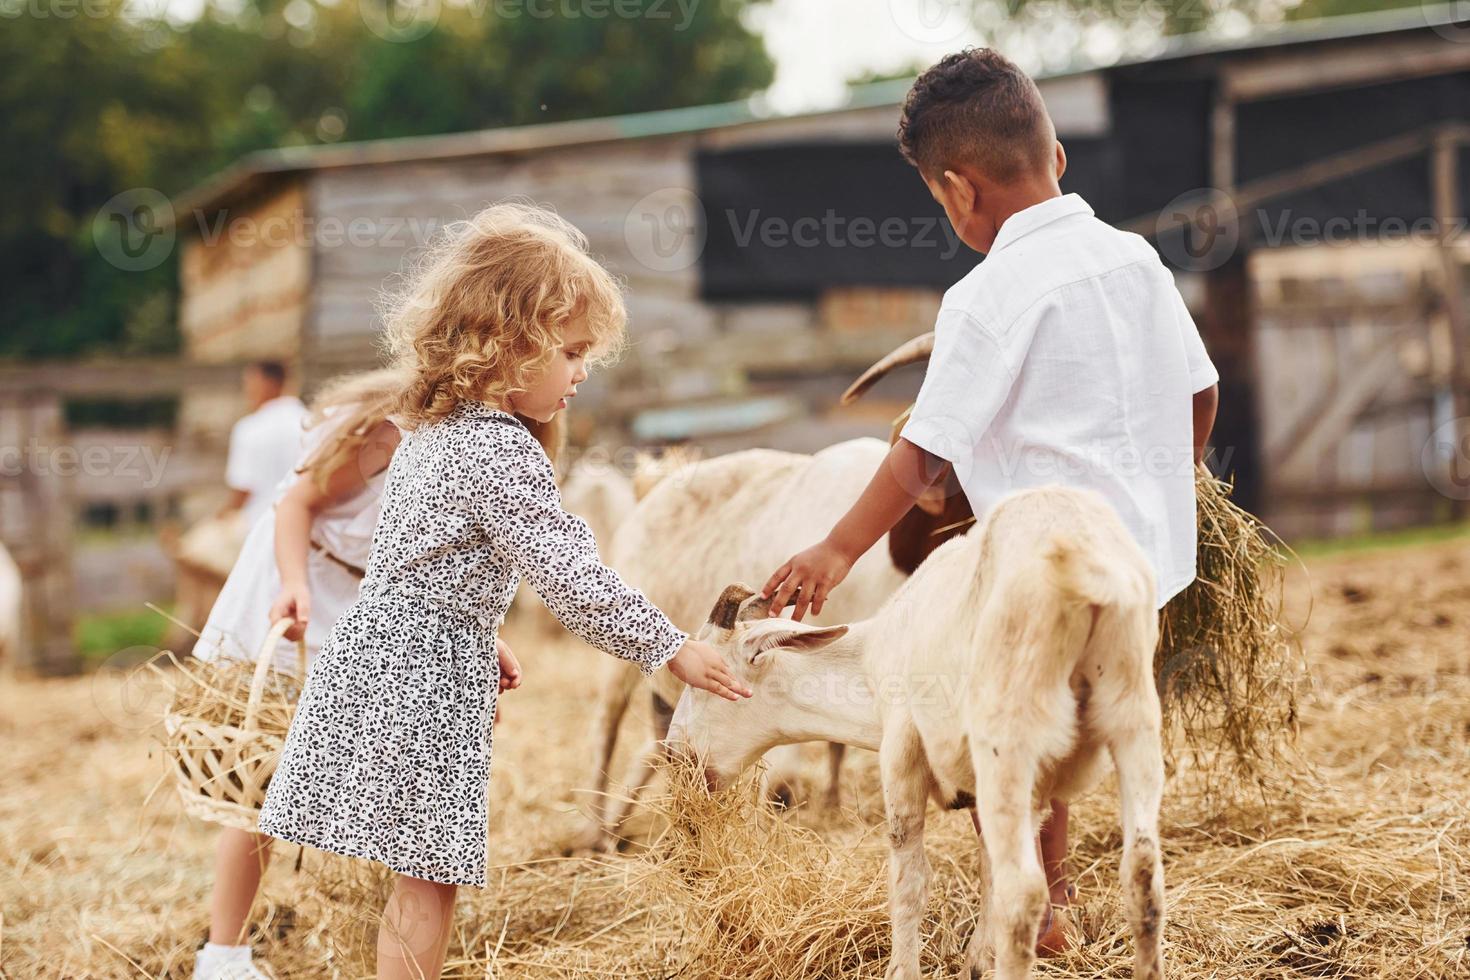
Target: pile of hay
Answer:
[[217, 691], [1228, 666], [1359, 870]]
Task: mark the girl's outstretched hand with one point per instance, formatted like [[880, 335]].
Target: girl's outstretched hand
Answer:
[[700, 665], [294, 602], [510, 667]]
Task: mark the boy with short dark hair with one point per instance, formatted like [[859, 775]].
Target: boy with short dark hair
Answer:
[[1067, 356]]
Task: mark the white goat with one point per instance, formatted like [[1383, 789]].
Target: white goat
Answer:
[[709, 522], [998, 676], [12, 610]]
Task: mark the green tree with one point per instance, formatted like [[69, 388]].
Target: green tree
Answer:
[[103, 102]]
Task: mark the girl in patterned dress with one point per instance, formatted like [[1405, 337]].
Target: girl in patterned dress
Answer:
[[306, 549], [388, 755], [304, 559]]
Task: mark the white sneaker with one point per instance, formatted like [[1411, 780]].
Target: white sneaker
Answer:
[[230, 970]]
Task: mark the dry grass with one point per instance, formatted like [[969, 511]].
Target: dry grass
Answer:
[[1228, 664], [1355, 863]]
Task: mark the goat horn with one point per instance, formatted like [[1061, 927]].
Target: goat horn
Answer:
[[908, 352]]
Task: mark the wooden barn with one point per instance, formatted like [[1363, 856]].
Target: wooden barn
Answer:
[[769, 259]]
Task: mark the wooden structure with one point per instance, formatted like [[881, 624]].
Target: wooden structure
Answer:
[[1316, 120], [44, 474]]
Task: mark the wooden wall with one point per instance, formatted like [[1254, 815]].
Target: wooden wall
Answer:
[[1353, 358], [684, 350], [244, 293]]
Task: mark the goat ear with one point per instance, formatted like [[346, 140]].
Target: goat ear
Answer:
[[810, 640], [801, 641]]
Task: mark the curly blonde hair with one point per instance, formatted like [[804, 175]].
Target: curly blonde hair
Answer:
[[486, 305], [357, 404]]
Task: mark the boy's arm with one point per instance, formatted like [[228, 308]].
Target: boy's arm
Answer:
[[1206, 401], [809, 575]]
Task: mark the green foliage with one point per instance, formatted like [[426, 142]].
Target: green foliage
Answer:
[[98, 101], [101, 635]]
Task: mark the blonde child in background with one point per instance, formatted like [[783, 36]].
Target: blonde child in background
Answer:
[[303, 558], [388, 756]]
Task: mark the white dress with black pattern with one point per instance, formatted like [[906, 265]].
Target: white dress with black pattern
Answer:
[[388, 755]]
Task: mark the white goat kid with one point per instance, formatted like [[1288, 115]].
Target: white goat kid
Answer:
[[715, 521], [12, 608], [999, 675]]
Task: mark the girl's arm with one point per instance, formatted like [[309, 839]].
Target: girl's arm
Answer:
[[520, 508], [297, 509]]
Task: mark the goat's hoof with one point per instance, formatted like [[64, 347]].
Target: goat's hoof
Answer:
[[976, 961]]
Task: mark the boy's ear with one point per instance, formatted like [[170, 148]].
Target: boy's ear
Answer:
[[962, 191], [1061, 160]]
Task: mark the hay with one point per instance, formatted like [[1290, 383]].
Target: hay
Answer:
[[1357, 868], [216, 692], [1227, 665]]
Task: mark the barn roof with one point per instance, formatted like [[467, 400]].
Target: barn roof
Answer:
[[259, 169]]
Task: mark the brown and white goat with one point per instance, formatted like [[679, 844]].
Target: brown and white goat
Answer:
[[1003, 674]]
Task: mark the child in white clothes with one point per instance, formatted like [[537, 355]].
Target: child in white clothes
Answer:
[[1066, 357], [313, 535], [388, 756]]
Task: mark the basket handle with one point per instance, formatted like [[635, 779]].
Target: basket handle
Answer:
[[263, 663]]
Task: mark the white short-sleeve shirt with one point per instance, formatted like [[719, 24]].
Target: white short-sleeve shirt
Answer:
[[264, 446], [1068, 356]]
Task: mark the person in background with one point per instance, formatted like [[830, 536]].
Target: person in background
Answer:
[[265, 444]]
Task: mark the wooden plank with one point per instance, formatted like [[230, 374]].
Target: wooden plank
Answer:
[[1370, 61], [1445, 181], [125, 378], [1328, 418], [43, 547]]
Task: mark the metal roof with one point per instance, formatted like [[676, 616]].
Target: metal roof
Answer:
[[257, 168]]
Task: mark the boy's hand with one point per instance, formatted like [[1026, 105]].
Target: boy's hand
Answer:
[[809, 576], [700, 665], [510, 667]]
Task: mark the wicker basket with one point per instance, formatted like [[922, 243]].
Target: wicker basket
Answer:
[[222, 769]]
